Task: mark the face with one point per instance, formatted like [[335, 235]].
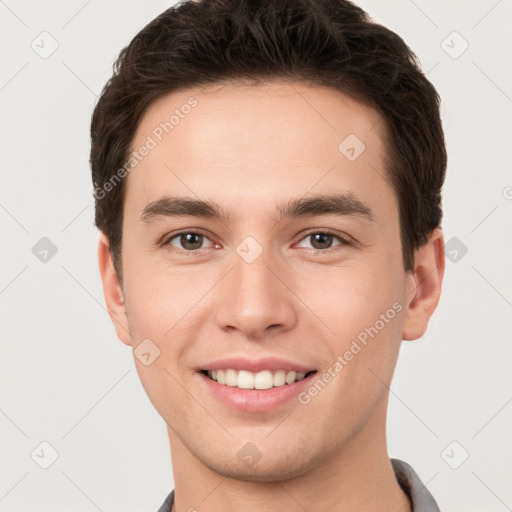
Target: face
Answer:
[[253, 276]]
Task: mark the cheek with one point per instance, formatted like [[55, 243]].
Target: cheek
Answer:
[[363, 309], [160, 308], [351, 297], [159, 297]]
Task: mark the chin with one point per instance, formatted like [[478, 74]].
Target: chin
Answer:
[[280, 467], [263, 473]]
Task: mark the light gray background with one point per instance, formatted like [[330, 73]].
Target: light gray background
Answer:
[[67, 380]]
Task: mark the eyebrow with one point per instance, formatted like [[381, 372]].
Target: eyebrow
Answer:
[[326, 204]]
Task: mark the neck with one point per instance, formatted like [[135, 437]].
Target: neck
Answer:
[[357, 476]]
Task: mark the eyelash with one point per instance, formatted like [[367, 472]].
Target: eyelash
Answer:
[[343, 241]]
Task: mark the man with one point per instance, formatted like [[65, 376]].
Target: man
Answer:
[[268, 183]]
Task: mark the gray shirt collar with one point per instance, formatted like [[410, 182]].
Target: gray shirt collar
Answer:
[[419, 495]]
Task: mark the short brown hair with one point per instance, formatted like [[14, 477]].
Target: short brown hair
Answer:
[[319, 42]]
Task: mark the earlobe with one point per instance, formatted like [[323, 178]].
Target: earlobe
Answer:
[[424, 286], [112, 291]]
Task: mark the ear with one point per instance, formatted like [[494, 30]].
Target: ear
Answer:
[[424, 286], [113, 291]]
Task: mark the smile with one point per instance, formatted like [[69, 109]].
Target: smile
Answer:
[[265, 379]]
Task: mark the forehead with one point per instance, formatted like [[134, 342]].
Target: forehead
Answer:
[[257, 141]]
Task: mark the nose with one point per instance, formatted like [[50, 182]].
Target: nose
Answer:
[[255, 299]]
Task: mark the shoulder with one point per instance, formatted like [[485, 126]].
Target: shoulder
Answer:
[[167, 504], [421, 499]]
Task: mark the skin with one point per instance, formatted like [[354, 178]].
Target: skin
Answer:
[[249, 148]]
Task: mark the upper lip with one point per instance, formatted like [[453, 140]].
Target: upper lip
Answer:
[[255, 365]]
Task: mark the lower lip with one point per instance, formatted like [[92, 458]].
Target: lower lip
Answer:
[[255, 400]]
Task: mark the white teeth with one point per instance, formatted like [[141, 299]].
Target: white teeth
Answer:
[[231, 378], [263, 380], [245, 379], [280, 378], [290, 377], [248, 380]]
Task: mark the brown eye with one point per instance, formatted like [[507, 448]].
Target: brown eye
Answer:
[[191, 241], [323, 240], [187, 241]]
